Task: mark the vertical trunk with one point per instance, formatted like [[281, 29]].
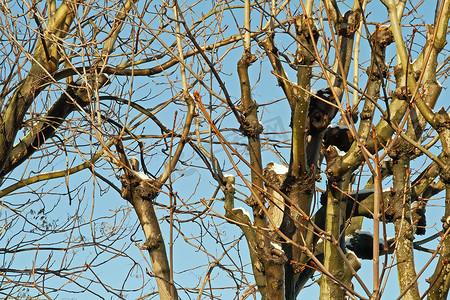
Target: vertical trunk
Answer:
[[141, 193], [440, 281], [300, 181], [403, 229], [333, 261], [251, 128], [243, 221]]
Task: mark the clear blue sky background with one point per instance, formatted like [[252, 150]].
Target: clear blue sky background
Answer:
[[190, 263]]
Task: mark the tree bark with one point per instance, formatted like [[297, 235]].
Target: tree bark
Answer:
[[141, 194], [440, 280], [406, 269]]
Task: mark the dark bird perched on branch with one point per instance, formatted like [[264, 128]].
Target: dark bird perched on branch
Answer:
[[322, 109], [362, 244]]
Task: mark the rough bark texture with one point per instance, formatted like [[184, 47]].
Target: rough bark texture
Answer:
[[440, 281], [140, 193], [333, 261], [299, 183], [240, 218], [402, 222], [397, 119]]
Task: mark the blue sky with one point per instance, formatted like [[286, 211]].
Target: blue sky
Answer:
[[99, 209]]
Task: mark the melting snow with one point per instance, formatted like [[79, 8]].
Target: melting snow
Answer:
[[276, 246], [244, 212], [142, 175], [339, 152], [279, 169], [338, 126]]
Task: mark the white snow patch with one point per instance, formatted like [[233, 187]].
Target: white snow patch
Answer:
[[244, 212], [347, 241], [276, 246], [228, 175], [388, 189], [350, 251], [340, 152], [338, 126], [320, 241], [142, 175], [279, 169]]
